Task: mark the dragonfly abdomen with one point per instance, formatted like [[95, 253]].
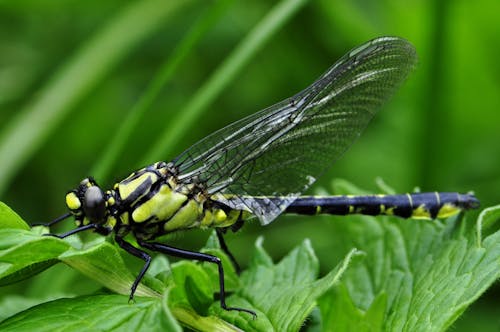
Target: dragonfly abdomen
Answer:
[[429, 205]]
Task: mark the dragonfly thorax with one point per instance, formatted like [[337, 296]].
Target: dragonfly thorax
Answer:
[[150, 202]]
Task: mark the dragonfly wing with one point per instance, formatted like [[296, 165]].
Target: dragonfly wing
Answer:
[[280, 151]]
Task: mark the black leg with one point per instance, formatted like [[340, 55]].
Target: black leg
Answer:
[[223, 245], [74, 231], [176, 252], [55, 221], [137, 253]]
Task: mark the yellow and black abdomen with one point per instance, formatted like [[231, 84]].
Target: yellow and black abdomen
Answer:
[[419, 205]]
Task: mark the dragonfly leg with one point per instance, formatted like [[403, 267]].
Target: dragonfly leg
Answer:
[[181, 253], [73, 231], [53, 222], [220, 235], [139, 254]]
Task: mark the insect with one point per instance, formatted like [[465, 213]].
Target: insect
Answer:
[[259, 166]]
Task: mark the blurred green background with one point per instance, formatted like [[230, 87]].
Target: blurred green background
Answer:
[[71, 73]]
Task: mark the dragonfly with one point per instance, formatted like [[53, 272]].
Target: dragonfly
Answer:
[[258, 167]]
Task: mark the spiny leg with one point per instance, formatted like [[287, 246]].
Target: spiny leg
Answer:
[[220, 235], [139, 254], [176, 252]]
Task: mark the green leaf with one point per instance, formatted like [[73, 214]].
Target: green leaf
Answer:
[[417, 275], [282, 295], [232, 280], [192, 286], [486, 220], [92, 313], [195, 284], [160, 268], [10, 219], [103, 263], [12, 304], [199, 323], [339, 313], [26, 253]]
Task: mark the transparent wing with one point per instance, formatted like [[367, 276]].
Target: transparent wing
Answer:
[[281, 150]]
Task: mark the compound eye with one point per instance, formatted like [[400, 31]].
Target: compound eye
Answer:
[[94, 205]]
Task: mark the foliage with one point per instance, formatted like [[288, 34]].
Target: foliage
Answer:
[[415, 276], [282, 295], [90, 88]]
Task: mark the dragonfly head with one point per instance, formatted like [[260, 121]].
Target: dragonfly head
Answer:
[[87, 203]]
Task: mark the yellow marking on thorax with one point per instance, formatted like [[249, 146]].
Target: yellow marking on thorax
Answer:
[[127, 188], [186, 217], [229, 219], [163, 171], [207, 219], [162, 205], [447, 210], [111, 222], [219, 218], [171, 182], [111, 200], [124, 218], [72, 201]]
